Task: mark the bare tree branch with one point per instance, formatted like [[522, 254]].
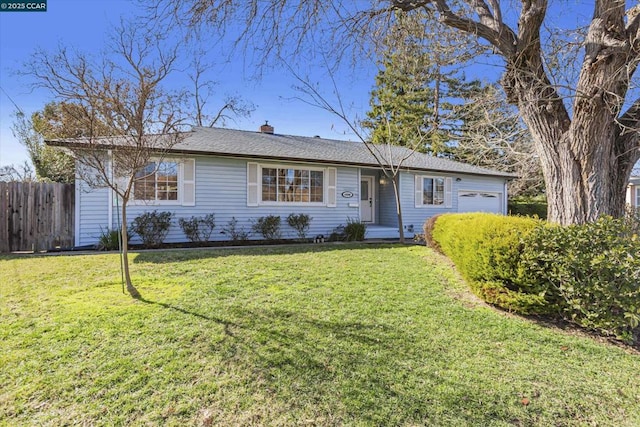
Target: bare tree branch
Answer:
[[139, 121]]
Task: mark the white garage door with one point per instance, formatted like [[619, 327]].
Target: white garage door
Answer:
[[479, 201]]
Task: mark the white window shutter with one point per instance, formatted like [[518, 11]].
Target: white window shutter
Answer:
[[332, 179], [252, 184], [448, 192], [189, 182], [419, 196]]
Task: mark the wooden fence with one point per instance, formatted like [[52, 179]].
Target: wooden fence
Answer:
[[36, 216]]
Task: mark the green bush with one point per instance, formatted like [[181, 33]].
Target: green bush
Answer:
[[428, 233], [591, 271], [632, 219], [109, 240], [486, 250], [268, 226], [528, 207], [235, 232], [355, 230], [152, 227], [300, 223], [198, 229]]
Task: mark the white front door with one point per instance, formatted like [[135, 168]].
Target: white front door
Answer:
[[367, 199]]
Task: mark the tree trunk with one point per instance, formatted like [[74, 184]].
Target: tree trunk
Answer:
[[587, 158], [125, 254], [396, 191]]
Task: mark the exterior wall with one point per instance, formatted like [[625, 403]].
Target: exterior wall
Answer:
[[221, 188], [632, 192], [92, 213], [387, 198], [416, 216]]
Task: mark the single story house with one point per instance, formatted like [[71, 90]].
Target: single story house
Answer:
[[633, 192], [246, 175]]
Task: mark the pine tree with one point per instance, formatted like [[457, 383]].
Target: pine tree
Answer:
[[416, 92]]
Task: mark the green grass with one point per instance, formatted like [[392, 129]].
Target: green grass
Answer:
[[307, 335]]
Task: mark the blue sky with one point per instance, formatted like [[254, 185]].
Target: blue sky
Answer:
[[84, 25]]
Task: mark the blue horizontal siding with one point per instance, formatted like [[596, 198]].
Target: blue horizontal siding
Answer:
[[221, 189], [417, 216], [94, 213]]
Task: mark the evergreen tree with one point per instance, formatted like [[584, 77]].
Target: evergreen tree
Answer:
[[416, 92]]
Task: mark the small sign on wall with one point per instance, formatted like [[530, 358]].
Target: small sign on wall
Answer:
[[347, 194]]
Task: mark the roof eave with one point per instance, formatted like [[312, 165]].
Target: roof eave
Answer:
[[69, 144]]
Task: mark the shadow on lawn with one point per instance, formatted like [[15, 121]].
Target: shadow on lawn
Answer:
[[227, 325], [362, 371], [172, 255]]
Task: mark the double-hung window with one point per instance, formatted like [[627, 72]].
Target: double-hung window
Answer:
[[292, 185], [637, 197], [433, 191], [166, 182], [157, 181]]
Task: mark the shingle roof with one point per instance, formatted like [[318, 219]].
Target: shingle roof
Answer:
[[248, 144], [289, 147]]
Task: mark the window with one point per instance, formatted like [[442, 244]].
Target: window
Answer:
[[158, 181], [637, 197], [288, 185], [432, 191]]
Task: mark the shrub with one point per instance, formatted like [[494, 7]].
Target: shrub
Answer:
[[591, 270], [152, 227], [338, 234], [236, 233], [528, 207], [268, 226], [428, 233], [355, 230], [198, 229], [300, 223], [109, 240], [632, 219], [486, 250]]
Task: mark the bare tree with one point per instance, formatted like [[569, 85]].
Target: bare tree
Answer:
[[233, 106], [390, 156], [585, 133], [128, 117], [492, 136], [19, 173]]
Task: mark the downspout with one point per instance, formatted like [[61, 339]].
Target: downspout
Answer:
[[110, 193], [76, 208], [505, 198]]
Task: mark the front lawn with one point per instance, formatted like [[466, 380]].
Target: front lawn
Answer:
[[305, 335]]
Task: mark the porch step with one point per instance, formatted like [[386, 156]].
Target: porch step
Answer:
[[375, 231]]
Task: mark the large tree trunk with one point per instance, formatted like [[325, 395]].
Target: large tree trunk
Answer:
[[586, 159]]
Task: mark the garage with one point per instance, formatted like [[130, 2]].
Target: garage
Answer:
[[479, 201]]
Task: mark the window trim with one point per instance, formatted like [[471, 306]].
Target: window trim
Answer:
[[637, 187], [178, 202], [447, 192], [325, 184]]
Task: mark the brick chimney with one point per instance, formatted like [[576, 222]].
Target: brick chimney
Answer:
[[266, 128]]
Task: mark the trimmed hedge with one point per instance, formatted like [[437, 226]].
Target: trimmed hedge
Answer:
[[590, 271], [528, 207], [486, 250], [587, 274]]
